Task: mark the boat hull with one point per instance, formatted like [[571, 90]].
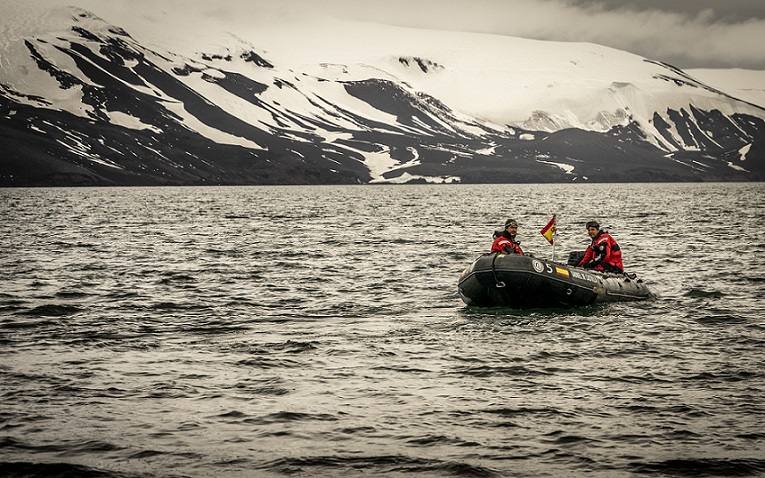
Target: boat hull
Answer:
[[528, 282]]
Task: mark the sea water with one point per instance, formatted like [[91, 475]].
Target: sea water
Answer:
[[317, 331]]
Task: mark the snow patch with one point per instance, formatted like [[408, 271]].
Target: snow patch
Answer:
[[191, 122], [293, 137], [526, 137], [406, 177], [567, 168], [425, 127], [455, 152], [75, 145], [214, 73], [737, 167], [332, 136], [129, 121], [415, 154], [158, 153], [415, 161], [378, 163], [743, 152], [487, 151], [669, 156]]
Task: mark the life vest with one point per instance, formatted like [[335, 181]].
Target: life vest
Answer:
[[504, 242], [603, 254]]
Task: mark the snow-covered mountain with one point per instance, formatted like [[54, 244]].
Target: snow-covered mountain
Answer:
[[189, 98], [747, 85]]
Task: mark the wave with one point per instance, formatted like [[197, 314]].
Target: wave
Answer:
[[491, 371], [22, 469], [559, 437], [71, 294], [27, 324], [724, 376], [704, 294], [702, 467], [390, 464], [52, 310], [521, 411], [401, 368], [288, 417], [172, 278], [269, 362], [437, 440], [721, 319], [166, 305]]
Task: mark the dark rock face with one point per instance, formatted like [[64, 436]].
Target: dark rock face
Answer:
[[210, 57], [252, 57], [426, 140], [65, 79], [424, 64]]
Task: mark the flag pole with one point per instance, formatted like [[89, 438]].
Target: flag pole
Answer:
[[555, 236]]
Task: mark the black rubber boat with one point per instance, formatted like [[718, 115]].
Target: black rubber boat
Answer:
[[525, 282]]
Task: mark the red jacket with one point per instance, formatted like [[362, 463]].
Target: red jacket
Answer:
[[603, 254], [506, 243]]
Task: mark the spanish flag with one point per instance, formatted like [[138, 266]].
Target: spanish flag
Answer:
[[549, 230]]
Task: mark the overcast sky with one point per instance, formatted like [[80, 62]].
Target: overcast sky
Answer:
[[687, 33]]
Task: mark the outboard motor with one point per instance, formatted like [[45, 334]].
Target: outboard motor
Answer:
[[574, 257]]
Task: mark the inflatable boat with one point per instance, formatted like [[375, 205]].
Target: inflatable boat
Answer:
[[513, 280]]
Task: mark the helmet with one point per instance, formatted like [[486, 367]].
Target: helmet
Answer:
[[592, 224], [511, 222]]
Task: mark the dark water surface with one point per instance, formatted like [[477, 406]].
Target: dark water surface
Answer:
[[316, 331]]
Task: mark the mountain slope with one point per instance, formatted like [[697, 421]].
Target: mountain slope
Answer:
[[84, 102], [747, 85]]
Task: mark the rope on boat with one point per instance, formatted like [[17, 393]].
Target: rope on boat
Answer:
[[497, 282]]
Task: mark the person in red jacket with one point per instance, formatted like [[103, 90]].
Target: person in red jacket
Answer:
[[504, 241], [604, 253]]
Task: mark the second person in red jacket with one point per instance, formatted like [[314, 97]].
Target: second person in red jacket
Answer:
[[604, 253]]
